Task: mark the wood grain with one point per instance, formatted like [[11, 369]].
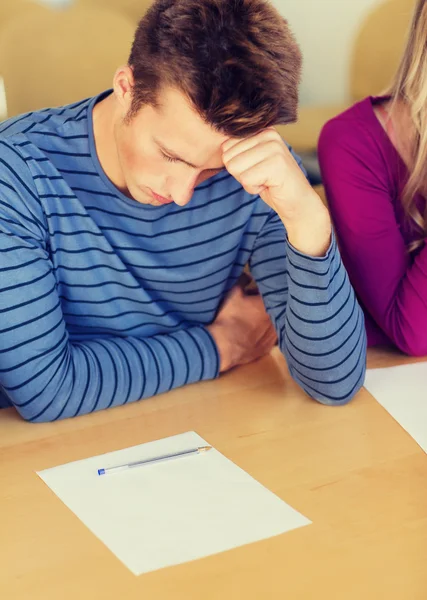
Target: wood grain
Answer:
[[352, 470]]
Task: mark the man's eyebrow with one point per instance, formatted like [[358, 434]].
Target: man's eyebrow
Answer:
[[174, 155]]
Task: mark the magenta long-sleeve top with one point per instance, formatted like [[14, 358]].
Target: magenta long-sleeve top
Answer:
[[364, 177]]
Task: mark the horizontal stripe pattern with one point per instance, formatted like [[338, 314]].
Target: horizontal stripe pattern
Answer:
[[104, 301]]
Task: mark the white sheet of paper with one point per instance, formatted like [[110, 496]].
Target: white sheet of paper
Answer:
[[172, 512], [402, 391]]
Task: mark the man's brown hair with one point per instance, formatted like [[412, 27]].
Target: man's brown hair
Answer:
[[235, 60]]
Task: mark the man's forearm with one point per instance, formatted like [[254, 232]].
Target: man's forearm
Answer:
[[97, 374], [323, 334]]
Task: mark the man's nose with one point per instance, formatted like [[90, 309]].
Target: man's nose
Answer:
[[182, 191]]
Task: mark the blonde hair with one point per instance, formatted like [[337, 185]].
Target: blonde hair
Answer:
[[410, 86]]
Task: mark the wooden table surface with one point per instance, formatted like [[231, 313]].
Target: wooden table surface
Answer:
[[352, 470]]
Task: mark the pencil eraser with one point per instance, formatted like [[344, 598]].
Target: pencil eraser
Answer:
[[101, 471]]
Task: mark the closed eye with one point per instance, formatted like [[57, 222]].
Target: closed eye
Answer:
[[170, 158], [175, 160]]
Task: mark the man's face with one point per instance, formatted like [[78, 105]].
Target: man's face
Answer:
[[166, 151]]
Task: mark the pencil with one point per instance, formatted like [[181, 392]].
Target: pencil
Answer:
[[156, 459]]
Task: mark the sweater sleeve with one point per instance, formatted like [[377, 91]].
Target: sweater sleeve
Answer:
[[391, 286], [43, 374], [313, 307]]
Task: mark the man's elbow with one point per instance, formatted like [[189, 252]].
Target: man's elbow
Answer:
[[337, 393], [46, 411], [30, 411], [337, 401], [31, 417]]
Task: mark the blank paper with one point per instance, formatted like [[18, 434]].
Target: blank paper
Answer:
[[168, 513], [402, 391]]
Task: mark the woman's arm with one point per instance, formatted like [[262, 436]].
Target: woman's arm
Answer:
[[392, 286]]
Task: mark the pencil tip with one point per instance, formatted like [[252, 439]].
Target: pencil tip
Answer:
[[205, 448]]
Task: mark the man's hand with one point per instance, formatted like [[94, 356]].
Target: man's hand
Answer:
[[263, 165], [242, 330]]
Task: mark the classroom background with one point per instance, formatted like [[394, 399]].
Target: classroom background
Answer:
[[355, 476], [54, 52]]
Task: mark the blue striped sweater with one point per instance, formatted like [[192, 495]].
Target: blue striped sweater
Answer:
[[104, 301]]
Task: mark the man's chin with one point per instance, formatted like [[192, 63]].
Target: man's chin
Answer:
[[143, 197]]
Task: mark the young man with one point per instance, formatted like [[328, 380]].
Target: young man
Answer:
[[127, 219]]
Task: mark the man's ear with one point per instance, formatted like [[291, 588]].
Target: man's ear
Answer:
[[123, 87]]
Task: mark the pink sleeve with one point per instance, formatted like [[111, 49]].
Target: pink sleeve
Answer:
[[392, 287]]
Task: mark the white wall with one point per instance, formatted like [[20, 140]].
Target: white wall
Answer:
[[55, 3], [325, 30]]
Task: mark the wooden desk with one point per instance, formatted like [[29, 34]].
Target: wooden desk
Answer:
[[352, 470]]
